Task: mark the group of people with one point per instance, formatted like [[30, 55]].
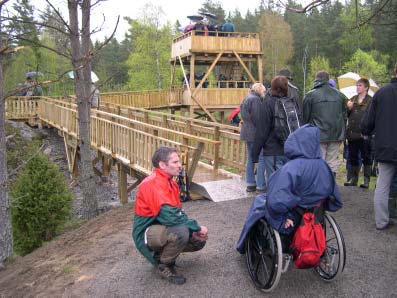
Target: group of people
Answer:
[[303, 167], [207, 28], [357, 120]]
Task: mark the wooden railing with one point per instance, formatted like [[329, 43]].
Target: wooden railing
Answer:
[[144, 99], [21, 107], [130, 141], [232, 151], [222, 145], [197, 41]]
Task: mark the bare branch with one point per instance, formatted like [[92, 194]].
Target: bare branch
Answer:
[[59, 15], [34, 23], [377, 12], [40, 45], [109, 38], [305, 9]]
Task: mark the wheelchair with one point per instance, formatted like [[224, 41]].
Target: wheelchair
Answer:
[[266, 260]]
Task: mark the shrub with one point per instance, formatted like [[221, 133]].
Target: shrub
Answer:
[[40, 204]]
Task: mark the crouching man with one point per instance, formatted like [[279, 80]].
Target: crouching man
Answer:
[[162, 229]]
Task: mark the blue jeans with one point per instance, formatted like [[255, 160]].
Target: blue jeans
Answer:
[[273, 163], [260, 169]]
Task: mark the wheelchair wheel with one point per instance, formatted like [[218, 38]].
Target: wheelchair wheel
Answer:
[[333, 261], [263, 253]]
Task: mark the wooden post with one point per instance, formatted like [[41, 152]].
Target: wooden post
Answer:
[[106, 165], [216, 148], [195, 160], [192, 80], [222, 113], [260, 68], [122, 185]]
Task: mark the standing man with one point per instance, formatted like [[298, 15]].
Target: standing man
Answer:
[[293, 91], [381, 117], [325, 107], [162, 229], [249, 110]]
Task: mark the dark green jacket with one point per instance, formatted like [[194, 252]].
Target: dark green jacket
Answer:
[[325, 107], [355, 114], [169, 216]]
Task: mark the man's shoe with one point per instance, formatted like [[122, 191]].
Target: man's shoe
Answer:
[[251, 188], [169, 273], [387, 226]]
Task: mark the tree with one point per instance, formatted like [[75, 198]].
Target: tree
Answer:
[[317, 64], [6, 245], [366, 65], [214, 7], [276, 38], [41, 203], [110, 63], [148, 61], [81, 61]]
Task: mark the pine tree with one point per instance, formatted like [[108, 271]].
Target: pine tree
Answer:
[[40, 204]]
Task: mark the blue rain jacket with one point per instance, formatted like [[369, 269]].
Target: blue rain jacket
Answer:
[[303, 181]]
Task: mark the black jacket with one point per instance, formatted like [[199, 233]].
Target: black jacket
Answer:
[[354, 116], [381, 117], [325, 107], [265, 137]]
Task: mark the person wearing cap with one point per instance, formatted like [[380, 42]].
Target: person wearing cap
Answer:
[[293, 91], [325, 107], [381, 118]]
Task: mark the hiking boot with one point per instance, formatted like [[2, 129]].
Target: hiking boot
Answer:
[[251, 188], [169, 273]]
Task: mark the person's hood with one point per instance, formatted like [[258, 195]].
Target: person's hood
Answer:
[[303, 142], [319, 83]]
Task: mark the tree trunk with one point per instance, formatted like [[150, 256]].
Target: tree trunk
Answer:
[[82, 76], [5, 213]]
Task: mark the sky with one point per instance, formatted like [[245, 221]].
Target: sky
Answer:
[[173, 10]]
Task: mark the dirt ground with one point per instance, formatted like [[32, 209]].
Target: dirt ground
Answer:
[[99, 259]]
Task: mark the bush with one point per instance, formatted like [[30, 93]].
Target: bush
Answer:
[[40, 204]]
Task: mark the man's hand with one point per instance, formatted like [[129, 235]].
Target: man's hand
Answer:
[[349, 104], [202, 235], [288, 223]]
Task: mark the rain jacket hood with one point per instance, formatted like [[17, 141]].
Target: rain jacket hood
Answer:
[[303, 143]]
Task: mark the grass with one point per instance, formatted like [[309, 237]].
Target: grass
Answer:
[[69, 269]]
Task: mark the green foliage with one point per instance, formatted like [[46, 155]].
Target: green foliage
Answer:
[[40, 204], [276, 39], [366, 65], [148, 62], [317, 64], [110, 64]]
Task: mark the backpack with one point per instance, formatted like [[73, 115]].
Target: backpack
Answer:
[[286, 119], [308, 243]]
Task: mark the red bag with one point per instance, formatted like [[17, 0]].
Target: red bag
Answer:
[[308, 243]]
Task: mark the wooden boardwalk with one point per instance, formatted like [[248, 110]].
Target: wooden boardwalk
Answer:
[[127, 137]]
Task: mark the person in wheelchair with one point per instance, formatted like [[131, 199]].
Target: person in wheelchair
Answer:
[[305, 180]]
